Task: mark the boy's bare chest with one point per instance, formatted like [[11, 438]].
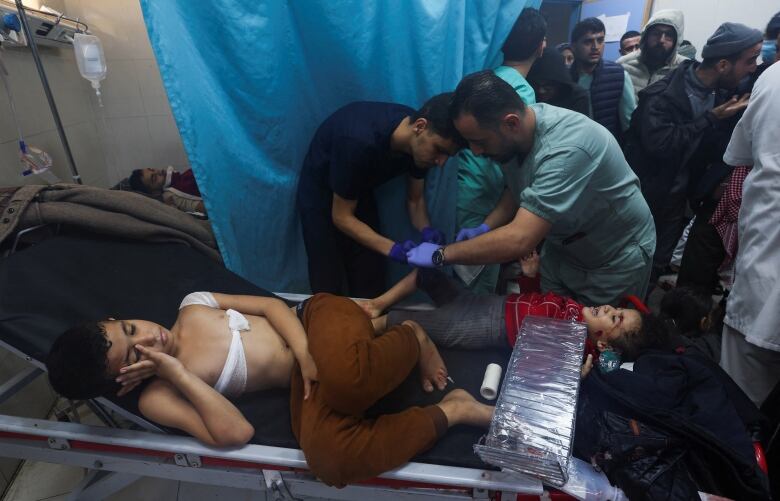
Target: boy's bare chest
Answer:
[[206, 339]]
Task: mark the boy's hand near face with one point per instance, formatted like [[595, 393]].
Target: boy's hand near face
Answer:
[[132, 375]]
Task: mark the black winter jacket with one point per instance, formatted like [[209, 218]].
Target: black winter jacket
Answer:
[[664, 138], [673, 426]]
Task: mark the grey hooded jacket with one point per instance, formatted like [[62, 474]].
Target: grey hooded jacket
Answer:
[[640, 75]]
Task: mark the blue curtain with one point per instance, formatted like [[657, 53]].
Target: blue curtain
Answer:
[[250, 81]]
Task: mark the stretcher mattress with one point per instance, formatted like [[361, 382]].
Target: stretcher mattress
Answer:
[[64, 280]]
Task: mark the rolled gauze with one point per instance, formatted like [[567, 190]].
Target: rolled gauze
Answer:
[[489, 389]]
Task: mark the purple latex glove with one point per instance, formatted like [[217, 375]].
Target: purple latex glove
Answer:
[[422, 255], [469, 233], [432, 235], [399, 249]]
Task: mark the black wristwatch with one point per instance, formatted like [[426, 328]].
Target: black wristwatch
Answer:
[[437, 258]]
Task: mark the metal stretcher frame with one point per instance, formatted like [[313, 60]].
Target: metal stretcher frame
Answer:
[[116, 458]]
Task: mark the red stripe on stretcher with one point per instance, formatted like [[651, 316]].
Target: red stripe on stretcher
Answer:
[[92, 446], [553, 495], [23, 436]]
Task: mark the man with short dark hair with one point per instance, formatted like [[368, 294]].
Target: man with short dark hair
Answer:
[[657, 55], [356, 149], [612, 98], [480, 182], [680, 130], [567, 182], [629, 42]]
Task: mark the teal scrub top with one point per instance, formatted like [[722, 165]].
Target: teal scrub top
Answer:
[[576, 178], [480, 181], [627, 98]]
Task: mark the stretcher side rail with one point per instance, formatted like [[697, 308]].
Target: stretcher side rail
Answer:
[[128, 450]]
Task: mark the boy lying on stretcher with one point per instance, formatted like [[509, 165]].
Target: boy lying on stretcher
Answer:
[[464, 319], [224, 345]]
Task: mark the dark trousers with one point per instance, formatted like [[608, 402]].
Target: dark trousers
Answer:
[[337, 264], [355, 369], [704, 252], [670, 222], [462, 319]]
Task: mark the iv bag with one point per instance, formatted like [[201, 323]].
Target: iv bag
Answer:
[[90, 59]]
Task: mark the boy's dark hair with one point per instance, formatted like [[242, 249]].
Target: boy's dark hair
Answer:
[[436, 112], [486, 97], [629, 34], [78, 364], [687, 306], [654, 333], [136, 181], [587, 25], [527, 34]]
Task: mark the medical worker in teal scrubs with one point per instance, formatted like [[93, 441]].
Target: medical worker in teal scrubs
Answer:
[[567, 182], [480, 181]]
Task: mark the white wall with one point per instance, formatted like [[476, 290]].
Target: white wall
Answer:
[[135, 127], [702, 17]]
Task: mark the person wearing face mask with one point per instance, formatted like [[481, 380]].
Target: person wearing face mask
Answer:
[[657, 55], [770, 51], [681, 128]]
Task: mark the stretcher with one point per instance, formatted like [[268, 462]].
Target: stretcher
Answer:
[[65, 279]]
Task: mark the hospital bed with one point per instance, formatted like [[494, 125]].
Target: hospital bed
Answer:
[[65, 279]]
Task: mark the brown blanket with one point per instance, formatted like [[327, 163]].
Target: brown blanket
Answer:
[[108, 212]]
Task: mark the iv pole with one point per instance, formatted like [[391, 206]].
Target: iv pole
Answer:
[[45, 81]]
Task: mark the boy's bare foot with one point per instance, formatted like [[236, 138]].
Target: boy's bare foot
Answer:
[[433, 372], [372, 309], [461, 408]]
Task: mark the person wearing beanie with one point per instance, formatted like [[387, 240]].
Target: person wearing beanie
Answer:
[[680, 130], [480, 181], [658, 49], [553, 85]]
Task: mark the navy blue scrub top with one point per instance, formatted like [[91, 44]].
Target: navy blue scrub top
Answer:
[[350, 154]]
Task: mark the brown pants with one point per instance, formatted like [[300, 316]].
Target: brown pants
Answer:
[[356, 369]]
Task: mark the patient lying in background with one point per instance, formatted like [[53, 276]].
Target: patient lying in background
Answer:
[[225, 345]]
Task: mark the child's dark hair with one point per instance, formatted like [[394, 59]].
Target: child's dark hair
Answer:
[[687, 306], [654, 333], [136, 181], [78, 363]]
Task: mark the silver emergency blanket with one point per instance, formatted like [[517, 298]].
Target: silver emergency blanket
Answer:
[[533, 424]]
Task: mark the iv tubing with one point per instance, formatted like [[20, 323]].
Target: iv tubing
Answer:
[[47, 90]]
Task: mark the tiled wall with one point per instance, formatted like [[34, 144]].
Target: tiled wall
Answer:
[[133, 129]]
